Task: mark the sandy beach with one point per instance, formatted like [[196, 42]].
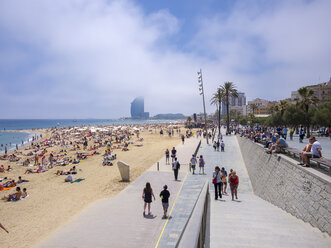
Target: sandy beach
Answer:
[[52, 202]]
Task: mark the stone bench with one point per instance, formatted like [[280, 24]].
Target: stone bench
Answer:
[[293, 152], [324, 162]]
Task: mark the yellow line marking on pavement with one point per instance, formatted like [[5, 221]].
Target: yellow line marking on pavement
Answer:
[[158, 241]]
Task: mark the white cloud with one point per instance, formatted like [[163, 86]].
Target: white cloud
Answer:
[[91, 58], [282, 47]]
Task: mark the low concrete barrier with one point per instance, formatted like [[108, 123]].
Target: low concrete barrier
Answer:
[[194, 233], [278, 179]]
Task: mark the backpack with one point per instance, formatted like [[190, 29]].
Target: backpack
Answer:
[[178, 165]]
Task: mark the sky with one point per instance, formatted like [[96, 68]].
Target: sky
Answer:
[[91, 58]]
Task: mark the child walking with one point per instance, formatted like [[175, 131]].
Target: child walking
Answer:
[[147, 196]]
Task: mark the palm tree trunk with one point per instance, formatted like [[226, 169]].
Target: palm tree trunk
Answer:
[[307, 121], [227, 114], [219, 117]]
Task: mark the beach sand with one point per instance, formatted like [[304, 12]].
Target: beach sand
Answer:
[[52, 202]]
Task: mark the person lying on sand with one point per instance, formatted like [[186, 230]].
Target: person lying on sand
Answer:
[[8, 184], [20, 180], [39, 170]]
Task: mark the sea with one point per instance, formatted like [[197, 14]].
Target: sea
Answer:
[[11, 133]]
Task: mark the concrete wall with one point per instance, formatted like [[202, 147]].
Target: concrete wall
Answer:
[[278, 179]]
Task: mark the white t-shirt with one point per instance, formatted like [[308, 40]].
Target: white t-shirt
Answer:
[[69, 178], [314, 148]]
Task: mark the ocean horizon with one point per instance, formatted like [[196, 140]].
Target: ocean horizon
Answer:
[[30, 124]]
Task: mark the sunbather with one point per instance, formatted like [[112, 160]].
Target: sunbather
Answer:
[[24, 193], [14, 196], [20, 180], [69, 178]]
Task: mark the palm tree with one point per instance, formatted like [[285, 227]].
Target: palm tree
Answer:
[[189, 119], [229, 90], [253, 107], [305, 100], [282, 106], [217, 100]]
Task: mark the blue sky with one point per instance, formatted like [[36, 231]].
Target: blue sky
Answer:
[[90, 59]]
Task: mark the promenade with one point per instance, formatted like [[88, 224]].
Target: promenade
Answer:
[[118, 221], [246, 222], [251, 221]]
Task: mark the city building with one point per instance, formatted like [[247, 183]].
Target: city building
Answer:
[[322, 91], [262, 106], [236, 103], [137, 109]]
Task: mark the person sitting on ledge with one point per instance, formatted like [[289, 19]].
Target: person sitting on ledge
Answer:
[[314, 153], [279, 145]]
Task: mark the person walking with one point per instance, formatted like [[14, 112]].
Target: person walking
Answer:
[[173, 154], [301, 135], [147, 196], [165, 194], [167, 154], [193, 163], [291, 133], [201, 165], [222, 146], [224, 180], [176, 167], [234, 182], [218, 145], [217, 181], [183, 138]]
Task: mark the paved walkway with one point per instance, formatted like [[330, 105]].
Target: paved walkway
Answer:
[[251, 221], [248, 222], [118, 221]]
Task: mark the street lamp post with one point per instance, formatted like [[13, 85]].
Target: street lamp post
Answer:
[[203, 100]]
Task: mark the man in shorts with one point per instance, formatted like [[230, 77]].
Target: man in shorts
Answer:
[[314, 153], [165, 194]]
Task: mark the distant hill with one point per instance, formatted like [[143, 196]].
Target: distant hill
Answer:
[[169, 116]]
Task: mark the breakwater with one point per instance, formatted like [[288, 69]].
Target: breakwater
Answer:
[[276, 178]]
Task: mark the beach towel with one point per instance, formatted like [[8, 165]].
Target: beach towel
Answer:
[[6, 189], [78, 180], [22, 198]]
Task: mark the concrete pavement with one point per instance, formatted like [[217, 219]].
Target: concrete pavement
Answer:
[[251, 221], [119, 221]]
